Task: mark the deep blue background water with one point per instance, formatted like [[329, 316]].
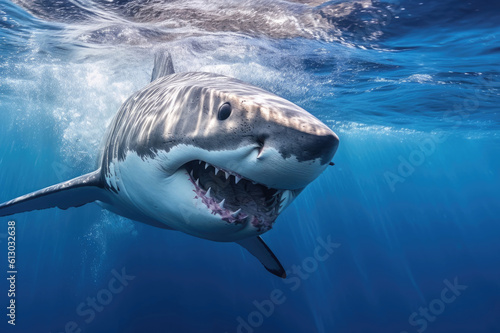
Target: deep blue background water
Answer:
[[412, 88]]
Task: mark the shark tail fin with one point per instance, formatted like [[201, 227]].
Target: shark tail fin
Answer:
[[163, 65], [261, 251], [72, 193]]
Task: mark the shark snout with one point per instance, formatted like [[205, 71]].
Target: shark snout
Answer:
[[318, 147], [290, 159], [303, 146]]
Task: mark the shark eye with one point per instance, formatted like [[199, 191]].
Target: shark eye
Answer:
[[224, 111]]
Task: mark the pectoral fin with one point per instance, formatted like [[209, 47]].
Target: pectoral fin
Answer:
[[261, 251], [72, 193]]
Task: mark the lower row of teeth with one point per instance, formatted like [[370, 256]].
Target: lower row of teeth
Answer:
[[237, 178], [235, 214], [208, 194]]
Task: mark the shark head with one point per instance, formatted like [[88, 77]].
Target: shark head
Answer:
[[228, 156]]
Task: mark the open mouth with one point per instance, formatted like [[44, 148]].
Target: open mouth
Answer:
[[234, 198]]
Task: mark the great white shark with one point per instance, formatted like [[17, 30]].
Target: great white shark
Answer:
[[201, 153]]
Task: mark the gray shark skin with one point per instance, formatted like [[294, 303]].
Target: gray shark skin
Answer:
[[200, 153]]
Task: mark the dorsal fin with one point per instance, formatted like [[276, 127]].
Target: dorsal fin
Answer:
[[72, 193], [163, 65]]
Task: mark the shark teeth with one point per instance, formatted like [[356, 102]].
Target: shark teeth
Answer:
[[228, 174], [256, 204], [270, 201]]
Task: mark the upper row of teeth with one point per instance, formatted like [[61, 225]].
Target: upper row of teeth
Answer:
[[237, 178]]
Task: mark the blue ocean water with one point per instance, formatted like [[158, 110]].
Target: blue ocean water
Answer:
[[401, 235]]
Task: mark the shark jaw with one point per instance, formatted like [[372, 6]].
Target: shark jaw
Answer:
[[234, 198]]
